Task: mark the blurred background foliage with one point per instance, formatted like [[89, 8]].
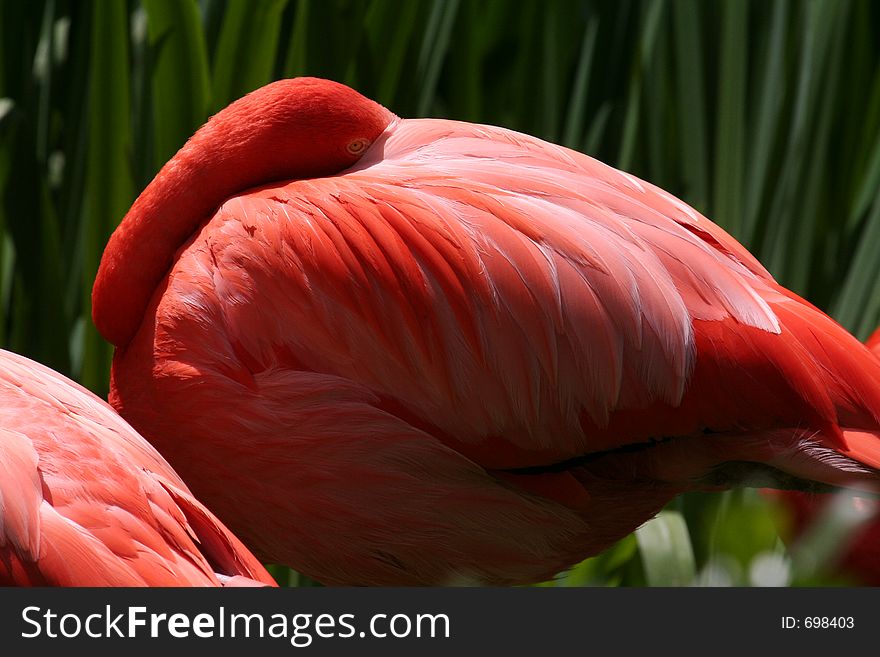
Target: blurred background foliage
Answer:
[[765, 116]]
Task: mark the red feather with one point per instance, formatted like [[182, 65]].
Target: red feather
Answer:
[[85, 501]]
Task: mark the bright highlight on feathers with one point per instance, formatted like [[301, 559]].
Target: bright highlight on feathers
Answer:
[[85, 501], [468, 353]]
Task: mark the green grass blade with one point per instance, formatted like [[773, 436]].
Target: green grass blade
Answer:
[[548, 99], [596, 131], [730, 134], [143, 165], [180, 83], [39, 320], [691, 107], [870, 320], [246, 50], [766, 112], [7, 251], [855, 307], [390, 26], [666, 552], [7, 271], [657, 136], [466, 61], [74, 149], [43, 78], [433, 52], [296, 59], [813, 205], [870, 182], [314, 48], [212, 20], [576, 115], [650, 25], [743, 527], [607, 569], [788, 238], [108, 187]]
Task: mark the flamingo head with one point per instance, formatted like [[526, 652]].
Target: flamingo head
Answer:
[[290, 129], [297, 128]]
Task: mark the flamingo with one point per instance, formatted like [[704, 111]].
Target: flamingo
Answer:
[[86, 501], [391, 351]]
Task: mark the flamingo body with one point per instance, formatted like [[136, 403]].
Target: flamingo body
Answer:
[[466, 353], [86, 501]]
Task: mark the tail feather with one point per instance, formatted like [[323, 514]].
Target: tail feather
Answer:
[[226, 554], [863, 446], [785, 459], [858, 556]]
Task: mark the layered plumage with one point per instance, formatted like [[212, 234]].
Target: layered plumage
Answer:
[[85, 500], [465, 353]]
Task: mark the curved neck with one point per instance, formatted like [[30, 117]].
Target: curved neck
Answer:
[[290, 129]]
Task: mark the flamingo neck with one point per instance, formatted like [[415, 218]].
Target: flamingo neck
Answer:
[[291, 129]]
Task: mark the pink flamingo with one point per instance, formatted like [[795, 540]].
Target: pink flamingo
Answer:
[[85, 500], [393, 351]]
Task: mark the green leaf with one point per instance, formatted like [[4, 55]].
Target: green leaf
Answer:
[[858, 305], [606, 569], [576, 115], [691, 102], [766, 113], [109, 189], [434, 48], [665, 548], [247, 49], [788, 239], [180, 77], [647, 39], [39, 318], [7, 265], [391, 27], [744, 527], [730, 133]]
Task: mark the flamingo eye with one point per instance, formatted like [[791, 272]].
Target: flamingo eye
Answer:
[[357, 146]]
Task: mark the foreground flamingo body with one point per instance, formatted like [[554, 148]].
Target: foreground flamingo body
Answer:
[[85, 501], [412, 351]]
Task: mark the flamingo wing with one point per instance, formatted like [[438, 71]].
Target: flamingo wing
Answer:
[[85, 501], [526, 303]]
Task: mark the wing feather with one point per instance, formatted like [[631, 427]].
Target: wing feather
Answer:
[[507, 291], [84, 499]]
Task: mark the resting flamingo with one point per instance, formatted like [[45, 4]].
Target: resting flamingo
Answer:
[[392, 351], [85, 500]]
